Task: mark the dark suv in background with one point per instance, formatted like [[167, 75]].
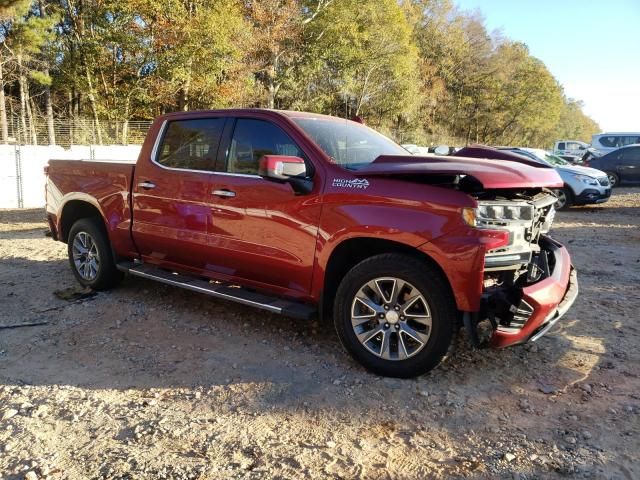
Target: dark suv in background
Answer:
[[621, 166]]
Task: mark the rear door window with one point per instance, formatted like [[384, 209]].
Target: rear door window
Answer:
[[252, 139], [561, 146], [191, 144]]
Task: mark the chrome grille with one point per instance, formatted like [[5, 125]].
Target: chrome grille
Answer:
[[604, 181]]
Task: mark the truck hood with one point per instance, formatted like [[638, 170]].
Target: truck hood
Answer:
[[575, 169], [492, 174]]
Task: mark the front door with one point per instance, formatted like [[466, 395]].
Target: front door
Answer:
[[171, 193], [629, 164], [263, 232]]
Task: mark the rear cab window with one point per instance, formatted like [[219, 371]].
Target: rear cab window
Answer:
[[191, 144]]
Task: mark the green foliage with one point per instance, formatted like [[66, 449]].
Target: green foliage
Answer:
[[419, 70], [573, 124]]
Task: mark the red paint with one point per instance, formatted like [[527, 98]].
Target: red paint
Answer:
[[269, 238], [544, 297], [490, 173]]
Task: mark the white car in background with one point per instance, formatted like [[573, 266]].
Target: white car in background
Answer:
[[608, 142], [571, 150], [416, 149]]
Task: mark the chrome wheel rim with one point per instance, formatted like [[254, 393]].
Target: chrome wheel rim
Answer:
[[391, 318], [85, 256], [612, 179], [561, 199]]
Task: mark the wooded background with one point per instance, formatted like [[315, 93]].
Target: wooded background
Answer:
[[421, 71]]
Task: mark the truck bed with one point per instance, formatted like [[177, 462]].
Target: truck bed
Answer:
[[104, 184]]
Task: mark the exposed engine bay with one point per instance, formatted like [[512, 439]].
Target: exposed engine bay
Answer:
[[525, 260]]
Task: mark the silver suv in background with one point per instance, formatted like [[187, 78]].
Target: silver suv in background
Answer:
[[582, 185], [608, 142]]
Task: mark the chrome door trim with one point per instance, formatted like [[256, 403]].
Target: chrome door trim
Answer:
[[156, 146]]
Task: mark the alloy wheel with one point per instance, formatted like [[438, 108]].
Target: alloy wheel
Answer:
[[85, 256], [561, 199], [391, 318]]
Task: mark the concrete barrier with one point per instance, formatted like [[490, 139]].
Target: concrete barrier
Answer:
[[22, 168]]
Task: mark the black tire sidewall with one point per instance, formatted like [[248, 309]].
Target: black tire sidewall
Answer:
[[428, 280], [568, 194], [616, 177], [108, 274]]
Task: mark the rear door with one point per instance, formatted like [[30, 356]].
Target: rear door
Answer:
[[171, 191], [629, 164], [263, 232]]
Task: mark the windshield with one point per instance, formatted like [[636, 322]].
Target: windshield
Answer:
[[543, 157], [555, 160], [349, 144]]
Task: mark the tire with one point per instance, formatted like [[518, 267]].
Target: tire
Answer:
[[565, 198], [614, 179], [90, 255], [407, 277]]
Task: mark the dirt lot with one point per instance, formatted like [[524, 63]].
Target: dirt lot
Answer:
[[147, 381]]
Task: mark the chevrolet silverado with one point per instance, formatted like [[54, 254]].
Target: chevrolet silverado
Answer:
[[313, 216]]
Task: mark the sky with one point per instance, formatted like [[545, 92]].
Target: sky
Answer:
[[591, 46]]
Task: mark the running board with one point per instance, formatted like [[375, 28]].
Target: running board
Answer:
[[225, 291]]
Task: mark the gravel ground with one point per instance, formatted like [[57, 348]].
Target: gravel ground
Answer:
[[147, 381]]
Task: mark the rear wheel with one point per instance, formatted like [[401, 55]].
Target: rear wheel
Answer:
[[564, 198], [614, 179], [90, 255], [395, 315]]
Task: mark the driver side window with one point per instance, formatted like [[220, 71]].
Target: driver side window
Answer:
[[253, 139]]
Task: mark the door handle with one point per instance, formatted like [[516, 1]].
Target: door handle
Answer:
[[147, 185], [224, 193]]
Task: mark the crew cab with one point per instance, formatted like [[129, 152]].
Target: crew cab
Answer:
[[309, 216]]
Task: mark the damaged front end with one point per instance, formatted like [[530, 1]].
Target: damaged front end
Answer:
[[529, 282]]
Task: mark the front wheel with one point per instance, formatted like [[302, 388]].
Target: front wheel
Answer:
[[564, 198], [614, 179], [90, 255], [395, 315]]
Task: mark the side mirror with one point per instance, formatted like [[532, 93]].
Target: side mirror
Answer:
[[442, 150], [282, 167]]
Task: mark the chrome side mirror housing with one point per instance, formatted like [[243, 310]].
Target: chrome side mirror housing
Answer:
[[282, 167]]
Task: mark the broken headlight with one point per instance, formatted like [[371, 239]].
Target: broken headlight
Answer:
[[514, 218], [496, 214]]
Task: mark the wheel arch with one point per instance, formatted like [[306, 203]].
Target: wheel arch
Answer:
[[570, 189], [352, 251], [75, 209]]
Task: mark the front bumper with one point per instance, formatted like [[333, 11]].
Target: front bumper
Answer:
[[592, 195], [549, 299]]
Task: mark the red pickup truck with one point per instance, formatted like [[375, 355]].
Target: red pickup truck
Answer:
[[314, 216]]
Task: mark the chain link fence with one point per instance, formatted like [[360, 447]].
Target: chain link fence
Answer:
[[78, 132], [29, 149]]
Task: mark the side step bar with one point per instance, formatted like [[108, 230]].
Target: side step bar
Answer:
[[225, 291]]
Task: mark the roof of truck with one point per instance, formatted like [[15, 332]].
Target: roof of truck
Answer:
[[286, 113]]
